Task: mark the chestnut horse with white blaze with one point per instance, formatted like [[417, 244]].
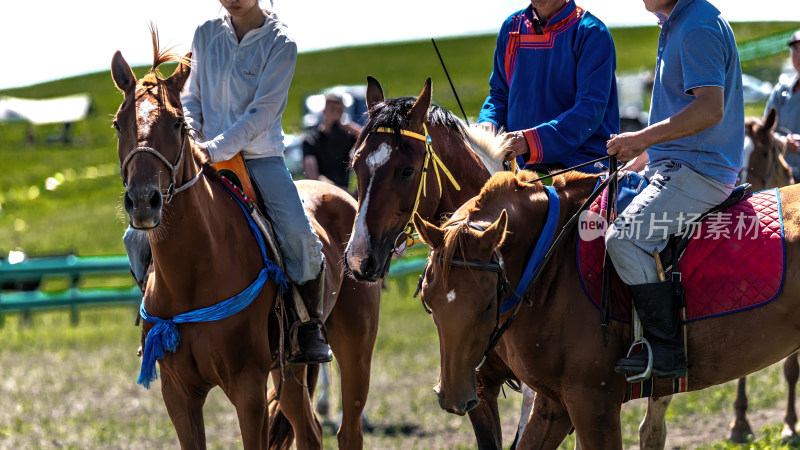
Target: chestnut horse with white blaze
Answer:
[[205, 250], [555, 342]]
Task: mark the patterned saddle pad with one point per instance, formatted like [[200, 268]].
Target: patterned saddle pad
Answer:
[[734, 261]]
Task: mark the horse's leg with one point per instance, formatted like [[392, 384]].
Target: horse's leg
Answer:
[[185, 409], [323, 402], [248, 393], [791, 370], [740, 427], [485, 417], [653, 429], [525, 412], [352, 330], [595, 417], [547, 425], [296, 406]]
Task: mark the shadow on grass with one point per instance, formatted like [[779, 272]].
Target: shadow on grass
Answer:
[[330, 427]]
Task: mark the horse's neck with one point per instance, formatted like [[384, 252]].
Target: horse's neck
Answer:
[[195, 243], [465, 166]]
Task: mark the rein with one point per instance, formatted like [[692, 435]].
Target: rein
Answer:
[[171, 190], [536, 263], [411, 236]]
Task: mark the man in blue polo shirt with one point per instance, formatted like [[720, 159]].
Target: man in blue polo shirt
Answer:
[[694, 146], [553, 86]]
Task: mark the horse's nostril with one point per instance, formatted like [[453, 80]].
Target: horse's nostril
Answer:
[[128, 202], [154, 200], [366, 264], [471, 405]]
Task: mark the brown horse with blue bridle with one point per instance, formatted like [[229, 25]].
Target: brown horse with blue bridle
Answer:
[[554, 341]]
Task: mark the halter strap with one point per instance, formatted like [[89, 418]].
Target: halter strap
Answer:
[[173, 169], [412, 237]]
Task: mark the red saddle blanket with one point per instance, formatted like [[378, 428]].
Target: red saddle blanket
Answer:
[[734, 261]]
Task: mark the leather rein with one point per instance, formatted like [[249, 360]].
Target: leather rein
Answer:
[[171, 190], [531, 276]]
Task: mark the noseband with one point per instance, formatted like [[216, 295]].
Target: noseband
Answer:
[[173, 169]]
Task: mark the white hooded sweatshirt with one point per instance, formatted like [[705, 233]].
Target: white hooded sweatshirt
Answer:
[[237, 91]]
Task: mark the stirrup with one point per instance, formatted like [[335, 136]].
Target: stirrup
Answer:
[[649, 370]]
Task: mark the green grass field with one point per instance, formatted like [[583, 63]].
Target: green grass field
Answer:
[[74, 387]]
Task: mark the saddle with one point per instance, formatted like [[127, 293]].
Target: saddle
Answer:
[[731, 259]]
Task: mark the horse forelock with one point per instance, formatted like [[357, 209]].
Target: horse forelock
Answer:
[[393, 113]]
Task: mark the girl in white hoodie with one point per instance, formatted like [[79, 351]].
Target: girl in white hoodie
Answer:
[[242, 66]]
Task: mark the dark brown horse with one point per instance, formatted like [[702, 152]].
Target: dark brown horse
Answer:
[[555, 343], [351, 312], [389, 167], [204, 251]]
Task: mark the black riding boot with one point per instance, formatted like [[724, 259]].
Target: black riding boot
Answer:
[[312, 346], [658, 311]]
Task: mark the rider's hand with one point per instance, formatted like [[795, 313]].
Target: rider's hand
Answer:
[[514, 144], [626, 146], [791, 143]]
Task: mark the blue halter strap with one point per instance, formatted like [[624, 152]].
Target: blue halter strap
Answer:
[[542, 245], [164, 335]]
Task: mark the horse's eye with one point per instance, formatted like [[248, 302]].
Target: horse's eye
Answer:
[[407, 172], [116, 126], [178, 125]]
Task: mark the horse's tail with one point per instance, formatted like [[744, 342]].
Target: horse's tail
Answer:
[[281, 433]]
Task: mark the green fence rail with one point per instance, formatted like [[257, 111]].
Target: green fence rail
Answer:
[[763, 47], [33, 271], [76, 268]]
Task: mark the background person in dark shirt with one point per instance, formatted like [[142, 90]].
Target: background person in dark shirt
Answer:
[[326, 149]]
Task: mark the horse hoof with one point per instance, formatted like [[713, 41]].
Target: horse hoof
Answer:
[[788, 435], [741, 436]]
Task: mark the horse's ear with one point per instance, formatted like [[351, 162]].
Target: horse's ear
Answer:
[[418, 113], [122, 74], [430, 233], [771, 120], [494, 235], [178, 78], [374, 92]]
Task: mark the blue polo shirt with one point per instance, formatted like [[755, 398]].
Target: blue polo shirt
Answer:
[[697, 48]]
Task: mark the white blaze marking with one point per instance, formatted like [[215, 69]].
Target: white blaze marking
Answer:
[[145, 108], [360, 237], [378, 157], [451, 296]]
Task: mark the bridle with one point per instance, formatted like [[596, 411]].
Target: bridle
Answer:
[[496, 265], [542, 254], [171, 190], [408, 235]]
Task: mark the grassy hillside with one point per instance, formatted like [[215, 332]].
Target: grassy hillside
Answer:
[[82, 213]]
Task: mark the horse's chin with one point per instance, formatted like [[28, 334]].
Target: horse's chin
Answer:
[[145, 225]]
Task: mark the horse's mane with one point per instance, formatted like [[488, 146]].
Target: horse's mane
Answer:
[[393, 113], [498, 187], [489, 147]]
